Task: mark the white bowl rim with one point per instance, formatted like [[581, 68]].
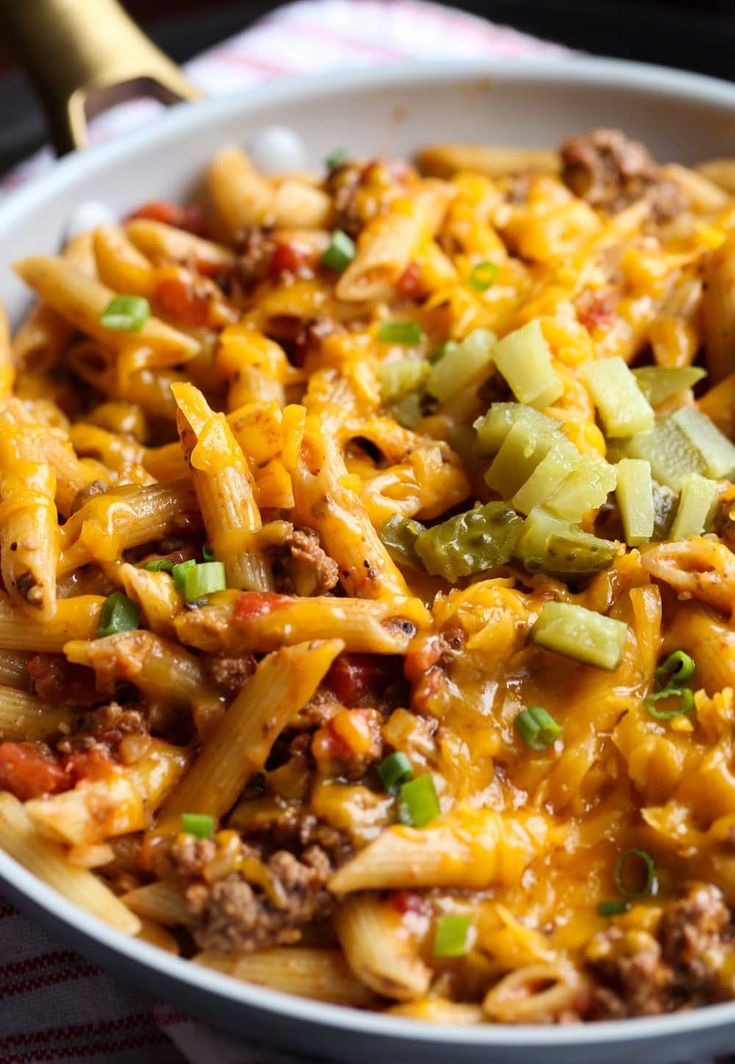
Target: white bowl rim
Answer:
[[168, 127]]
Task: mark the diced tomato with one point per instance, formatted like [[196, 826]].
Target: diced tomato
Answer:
[[356, 677], [411, 282], [407, 901], [94, 764], [258, 603], [190, 218], [183, 298], [29, 770], [288, 258], [423, 654], [597, 309]]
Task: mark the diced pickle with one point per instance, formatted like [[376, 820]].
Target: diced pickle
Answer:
[[494, 426], [470, 542], [401, 376], [634, 493], [585, 489], [659, 383], [671, 455], [556, 547], [522, 450], [623, 409], [697, 504], [461, 364], [524, 359], [581, 634], [399, 534], [549, 474], [716, 451], [664, 505]]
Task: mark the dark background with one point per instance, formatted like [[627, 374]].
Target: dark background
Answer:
[[692, 34]]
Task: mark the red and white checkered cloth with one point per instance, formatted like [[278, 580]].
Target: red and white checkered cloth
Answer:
[[54, 1005]]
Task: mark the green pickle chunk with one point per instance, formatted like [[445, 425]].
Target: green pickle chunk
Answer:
[[547, 544], [697, 504], [399, 534], [581, 634], [461, 364], [471, 542], [659, 383], [523, 358], [494, 426]]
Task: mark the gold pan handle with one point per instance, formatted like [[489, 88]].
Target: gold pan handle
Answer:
[[85, 56]]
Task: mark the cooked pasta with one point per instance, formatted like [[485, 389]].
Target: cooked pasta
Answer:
[[367, 601]]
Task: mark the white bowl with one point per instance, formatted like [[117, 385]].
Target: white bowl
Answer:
[[681, 117]]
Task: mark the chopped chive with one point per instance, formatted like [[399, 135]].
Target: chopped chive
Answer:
[[126, 314], [393, 771], [202, 580], [199, 824], [650, 885], [686, 705], [179, 572], [158, 565], [482, 276], [336, 158], [612, 908], [340, 252], [451, 937], [118, 614], [537, 728], [207, 553], [400, 332], [417, 802], [677, 669]]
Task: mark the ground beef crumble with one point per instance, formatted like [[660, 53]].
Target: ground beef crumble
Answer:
[[637, 973], [611, 171], [233, 915], [230, 672], [301, 566]]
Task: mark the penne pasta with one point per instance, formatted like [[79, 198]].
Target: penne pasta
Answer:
[[120, 801], [320, 974], [25, 717], [224, 488], [239, 745], [379, 950], [84, 300], [239, 624], [45, 859]]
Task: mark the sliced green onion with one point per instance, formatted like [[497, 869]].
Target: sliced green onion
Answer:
[[203, 580], [179, 572], [686, 705], [451, 937], [199, 824], [158, 565], [336, 158], [417, 802], [482, 276], [207, 553], [118, 614], [677, 669], [126, 314], [395, 770], [612, 908], [650, 885], [340, 252], [400, 332], [537, 728]]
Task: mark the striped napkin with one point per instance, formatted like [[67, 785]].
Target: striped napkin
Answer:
[[54, 1005]]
